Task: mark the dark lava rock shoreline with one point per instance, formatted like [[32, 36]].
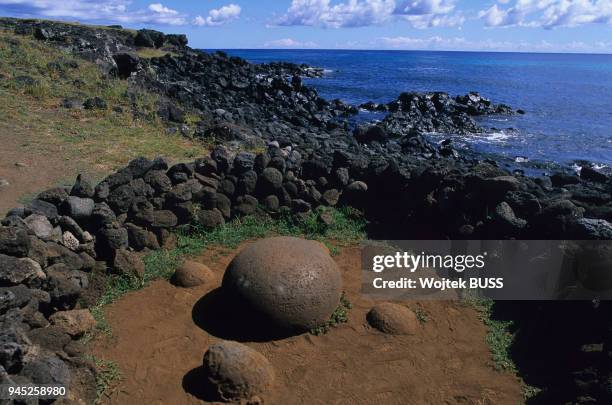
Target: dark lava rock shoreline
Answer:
[[309, 158]]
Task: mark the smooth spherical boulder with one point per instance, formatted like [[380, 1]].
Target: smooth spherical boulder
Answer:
[[292, 282], [236, 371], [192, 274], [393, 319]]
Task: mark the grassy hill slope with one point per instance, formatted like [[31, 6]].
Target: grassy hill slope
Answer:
[[45, 143]]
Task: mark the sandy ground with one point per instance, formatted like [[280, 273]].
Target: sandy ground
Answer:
[[159, 340]]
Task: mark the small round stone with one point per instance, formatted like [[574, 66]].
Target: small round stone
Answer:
[[192, 274], [292, 282], [393, 319], [236, 371]]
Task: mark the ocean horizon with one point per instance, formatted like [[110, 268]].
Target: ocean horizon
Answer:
[[566, 123], [399, 50]]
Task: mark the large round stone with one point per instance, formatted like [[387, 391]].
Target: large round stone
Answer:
[[236, 371], [393, 319], [292, 282]]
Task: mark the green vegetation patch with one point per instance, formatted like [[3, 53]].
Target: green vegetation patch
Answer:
[[339, 316], [107, 377], [148, 53], [36, 78], [499, 333]]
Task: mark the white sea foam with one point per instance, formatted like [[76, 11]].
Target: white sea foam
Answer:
[[597, 166], [495, 136]]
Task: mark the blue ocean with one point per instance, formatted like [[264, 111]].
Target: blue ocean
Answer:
[[567, 97]]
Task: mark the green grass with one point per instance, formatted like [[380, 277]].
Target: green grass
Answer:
[[421, 315], [530, 392], [53, 73], [500, 338], [74, 23], [148, 53], [339, 316], [346, 228], [107, 375], [34, 79], [499, 333]]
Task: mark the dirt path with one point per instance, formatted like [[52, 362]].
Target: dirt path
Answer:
[[159, 347], [28, 167]]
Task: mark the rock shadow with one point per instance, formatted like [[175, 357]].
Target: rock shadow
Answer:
[[196, 384], [225, 318]]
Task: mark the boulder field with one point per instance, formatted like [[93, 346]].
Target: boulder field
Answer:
[[310, 154]]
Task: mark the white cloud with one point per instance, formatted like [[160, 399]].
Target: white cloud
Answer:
[[355, 13], [360, 13], [159, 8], [219, 16], [199, 20], [548, 13], [424, 7], [115, 11], [289, 43], [460, 43], [497, 17], [95, 10], [435, 20]]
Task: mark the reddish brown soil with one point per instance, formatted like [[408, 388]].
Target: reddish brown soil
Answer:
[[29, 169], [159, 348]]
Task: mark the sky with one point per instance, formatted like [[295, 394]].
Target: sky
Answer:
[[463, 25]]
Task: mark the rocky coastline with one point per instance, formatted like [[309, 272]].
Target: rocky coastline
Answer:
[[280, 149]]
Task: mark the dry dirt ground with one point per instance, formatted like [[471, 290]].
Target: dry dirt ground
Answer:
[[160, 335], [30, 168]]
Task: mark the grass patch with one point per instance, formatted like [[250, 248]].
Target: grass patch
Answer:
[[35, 77], [530, 392], [421, 315], [499, 337], [345, 228], [339, 316], [148, 53], [107, 376], [47, 73]]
